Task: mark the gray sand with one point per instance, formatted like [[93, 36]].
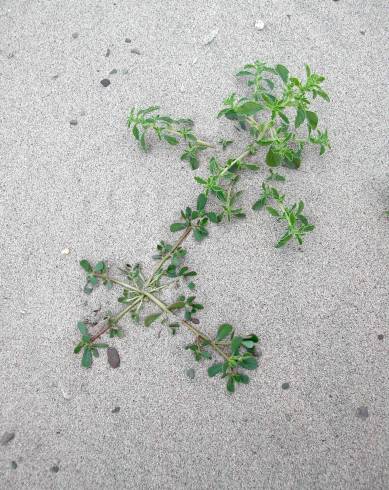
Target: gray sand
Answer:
[[319, 310]]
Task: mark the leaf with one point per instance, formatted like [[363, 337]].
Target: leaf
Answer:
[[249, 344], [178, 227], [78, 347], [224, 331], [260, 203], [99, 267], [151, 318], [215, 369], [201, 201], [312, 119], [87, 358], [300, 117], [273, 211], [135, 132], [242, 378], [100, 346], [231, 385], [113, 357], [249, 363], [176, 306], [273, 159], [283, 72], [235, 344], [170, 139], [249, 108], [284, 240], [213, 218], [82, 328], [191, 286], [86, 265]]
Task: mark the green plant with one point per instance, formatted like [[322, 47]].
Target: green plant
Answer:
[[274, 101]]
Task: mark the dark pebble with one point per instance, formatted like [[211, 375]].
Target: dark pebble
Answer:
[[127, 40], [362, 413], [362, 32], [54, 469], [75, 35], [380, 336], [113, 357], [54, 77], [115, 410], [14, 465], [105, 82], [285, 386], [113, 72], [190, 373], [107, 53], [196, 321], [73, 122], [135, 51], [6, 438]]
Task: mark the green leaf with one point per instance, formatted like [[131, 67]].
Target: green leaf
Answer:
[[284, 240], [312, 119], [231, 385], [235, 344], [151, 318], [283, 72], [178, 227], [249, 344], [273, 159], [99, 267], [273, 211], [249, 108], [242, 378], [78, 347], [300, 117], [191, 286], [213, 218], [249, 363], [215, 369], [100, 346], [201, 201], [86, 265], [224, 331], [177, 306], [87, 358], [260, 203], [170, 139], [135, 132], [82, 328]]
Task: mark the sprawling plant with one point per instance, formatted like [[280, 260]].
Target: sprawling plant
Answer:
[[277, 115]]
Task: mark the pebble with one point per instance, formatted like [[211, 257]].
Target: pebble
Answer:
[[211, 37], [190, 373], [107, 53], [54, 77], [14, 465], [105, 82], [127, 40], [259, 25], [380, 336], [115, 410], [362, 413], [54, 469], [363, 32], [6, 438], [65, 251], [135, 51], [113, 357], [113, 72], [75, 35], [285, 386], [73, 122]]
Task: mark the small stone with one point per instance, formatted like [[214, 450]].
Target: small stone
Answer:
[[285, 386], [135, 51], [6, 438], [190, 373], [75, 35], [194, 61], [380, 336], [113, 72], [54, 469], [259, 25], [196, 321], [65, 251], [14, 465], [362, 413], [73, 122], [115, 410], [54, 77], [113, 357], [105, 82], [363, 32], [107, 53], [211, 37], [127, 40], [289, 16]]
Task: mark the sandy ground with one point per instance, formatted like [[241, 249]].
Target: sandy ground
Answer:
[[321, 310]]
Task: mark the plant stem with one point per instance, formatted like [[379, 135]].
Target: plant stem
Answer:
[[115, 319], [208, 145], [188, 325]]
